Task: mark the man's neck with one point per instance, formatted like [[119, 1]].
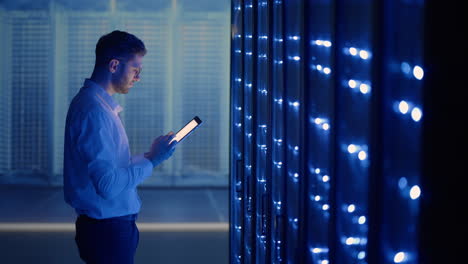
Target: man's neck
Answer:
[[103, 80]]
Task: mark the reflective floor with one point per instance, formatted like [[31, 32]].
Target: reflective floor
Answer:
[[176, 226]]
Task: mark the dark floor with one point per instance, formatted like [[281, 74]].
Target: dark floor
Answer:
[[23, 205]]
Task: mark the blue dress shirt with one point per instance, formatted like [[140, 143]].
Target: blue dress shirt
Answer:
[[99, 174]]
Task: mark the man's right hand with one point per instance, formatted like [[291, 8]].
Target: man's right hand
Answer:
[[161, 150]]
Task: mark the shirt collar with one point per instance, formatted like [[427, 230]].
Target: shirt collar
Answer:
[[101, 92]]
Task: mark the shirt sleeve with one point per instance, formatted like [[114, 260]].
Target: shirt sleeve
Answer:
[[96, 145]]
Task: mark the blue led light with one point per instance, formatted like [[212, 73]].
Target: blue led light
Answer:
[[278, 164], [355, 52], [405, 68], [418, 72], [364, 54], [361, 255], [415, 192], [352, 148], [402, 183], [362, 220], [294, 104], [294, 58], [319, 250], [362, 155], [364, 88], [321, 69], [416, 114], [399, 257], [319, 42], [325, 178], [294, 37], [403, 107]]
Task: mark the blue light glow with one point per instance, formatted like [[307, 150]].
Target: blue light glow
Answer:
[[361, 255], [364, 54], [294, 37], [403, 107], [364, 88], [415, 192], [352, 83], [416, 114], [362, 155], [325, 178], [405, 68], [362, 220], [418, 72], [399, 257], [402, 183], [352, 148], [295, 104]]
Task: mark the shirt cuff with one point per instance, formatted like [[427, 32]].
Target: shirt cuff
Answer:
[[143, 162]]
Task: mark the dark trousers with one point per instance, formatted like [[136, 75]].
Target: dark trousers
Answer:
[[111, 240]]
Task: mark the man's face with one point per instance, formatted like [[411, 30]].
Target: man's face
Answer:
[[127, 74]]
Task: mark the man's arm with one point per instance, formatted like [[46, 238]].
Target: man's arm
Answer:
[[96, 146]]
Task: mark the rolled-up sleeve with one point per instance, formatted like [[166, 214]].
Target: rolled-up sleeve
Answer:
[[97, 146]]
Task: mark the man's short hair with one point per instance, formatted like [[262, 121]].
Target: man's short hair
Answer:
[[118, 45]]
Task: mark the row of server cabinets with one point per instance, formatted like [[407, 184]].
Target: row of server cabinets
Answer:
[[327, 107]]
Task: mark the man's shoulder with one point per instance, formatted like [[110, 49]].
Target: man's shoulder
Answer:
[[85, 105], [85, 101]]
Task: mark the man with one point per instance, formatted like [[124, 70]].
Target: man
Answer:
[[100, 175]]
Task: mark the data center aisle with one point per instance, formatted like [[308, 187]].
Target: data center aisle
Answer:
[[170, 223]]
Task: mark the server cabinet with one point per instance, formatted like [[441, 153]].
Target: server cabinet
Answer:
[[401, 106], [319, 80], [326, 112], [236, 148]]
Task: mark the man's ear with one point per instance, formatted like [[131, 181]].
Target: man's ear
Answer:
[[113, 64]]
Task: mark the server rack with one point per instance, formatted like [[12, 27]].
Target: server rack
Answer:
[[326, 131]]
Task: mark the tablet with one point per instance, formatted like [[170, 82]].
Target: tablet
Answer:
[[187, 129]]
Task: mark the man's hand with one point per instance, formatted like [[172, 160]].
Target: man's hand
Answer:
[[161, 150]]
